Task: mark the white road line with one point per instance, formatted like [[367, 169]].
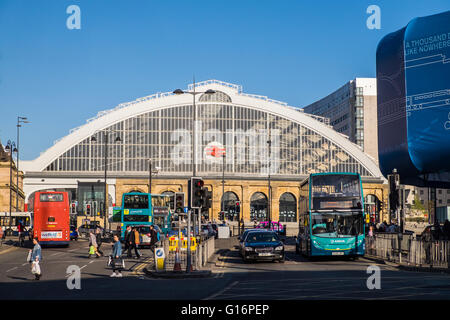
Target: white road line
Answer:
[[24, 264], [11, 269], [56, 254], [83, 266], [222, 291]]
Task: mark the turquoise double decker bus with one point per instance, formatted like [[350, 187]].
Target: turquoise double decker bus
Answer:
[[145, 209], [331, 219]]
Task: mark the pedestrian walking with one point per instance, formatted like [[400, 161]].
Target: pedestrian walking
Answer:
[[2, 235], [116, 258], [36, 258], [153, 238], [98, 238], [93, 245], [133, 243], [126, 237]]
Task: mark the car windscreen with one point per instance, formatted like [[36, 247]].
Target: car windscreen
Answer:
[[262, 237], [144, 229]]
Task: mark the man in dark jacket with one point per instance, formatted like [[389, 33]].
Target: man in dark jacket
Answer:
[[98, 237], [126, 238], [153, 238], [134, 240]]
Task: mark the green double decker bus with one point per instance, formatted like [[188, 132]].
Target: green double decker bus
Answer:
[[145, 209], [331, 219]]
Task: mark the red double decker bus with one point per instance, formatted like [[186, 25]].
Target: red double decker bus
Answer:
[[52, 218]]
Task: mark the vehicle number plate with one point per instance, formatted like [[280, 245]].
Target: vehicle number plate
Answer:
[[337, 253], [265, 254], [51, 235]]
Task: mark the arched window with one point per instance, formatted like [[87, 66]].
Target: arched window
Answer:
[[372, 207], [288, 208], [228, 205], [258, 207]]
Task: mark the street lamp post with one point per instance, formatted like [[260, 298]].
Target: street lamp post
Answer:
[[269, 207], [105, 139], [194, 171], [19, 121], [150, 174], [11, 148]]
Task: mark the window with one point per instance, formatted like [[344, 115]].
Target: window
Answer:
[[51, 197]]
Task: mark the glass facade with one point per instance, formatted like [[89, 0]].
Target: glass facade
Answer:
[[165, 135]]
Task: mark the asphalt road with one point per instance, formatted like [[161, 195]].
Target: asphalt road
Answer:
[[297, 279]]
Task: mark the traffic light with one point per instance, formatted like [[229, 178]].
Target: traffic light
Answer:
[[196, 194], [179, 202], [221, 215], [207, 203], [238, 206], [73, 208], [88, 209], [393, 192]]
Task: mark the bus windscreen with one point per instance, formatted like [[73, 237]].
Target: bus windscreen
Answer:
[[336, 191], [136, 201]]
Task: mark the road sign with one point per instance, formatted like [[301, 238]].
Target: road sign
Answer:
[[159, 259], [186, 209]]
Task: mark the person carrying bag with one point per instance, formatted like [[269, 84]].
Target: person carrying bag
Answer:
[[36, 258], [115, 260]]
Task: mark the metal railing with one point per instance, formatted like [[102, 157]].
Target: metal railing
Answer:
[[408, 250], [199, 258]]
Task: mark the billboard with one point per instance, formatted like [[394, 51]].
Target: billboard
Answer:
[[413, 83]]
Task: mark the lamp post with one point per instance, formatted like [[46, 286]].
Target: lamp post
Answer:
[[194, 144], [150, 174], [105, 139], [11, 148], [269, 207], [19, 121]]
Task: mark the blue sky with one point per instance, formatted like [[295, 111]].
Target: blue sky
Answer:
[[293, 51]]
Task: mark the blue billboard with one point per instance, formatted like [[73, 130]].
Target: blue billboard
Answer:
[[413, 84]]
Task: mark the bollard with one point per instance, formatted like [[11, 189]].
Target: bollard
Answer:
[[177, 266]]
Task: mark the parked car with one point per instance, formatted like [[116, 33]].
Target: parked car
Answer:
[[274, 226], [144, 232], [263, 245], [84, 229], [73, 233]]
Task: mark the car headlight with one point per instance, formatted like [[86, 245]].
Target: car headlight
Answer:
[[248, 249], [279, 248]]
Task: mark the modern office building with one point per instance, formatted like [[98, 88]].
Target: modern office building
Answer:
[[352, 110], [266, 143]]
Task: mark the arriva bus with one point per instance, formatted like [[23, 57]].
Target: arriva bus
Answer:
[[145, 209], [52, 218], [331, 215]]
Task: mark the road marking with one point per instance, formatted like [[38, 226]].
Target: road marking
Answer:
[[8, 250], [222, 291], [11, 269], [140, 266], [56, 254], [83, 266]]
